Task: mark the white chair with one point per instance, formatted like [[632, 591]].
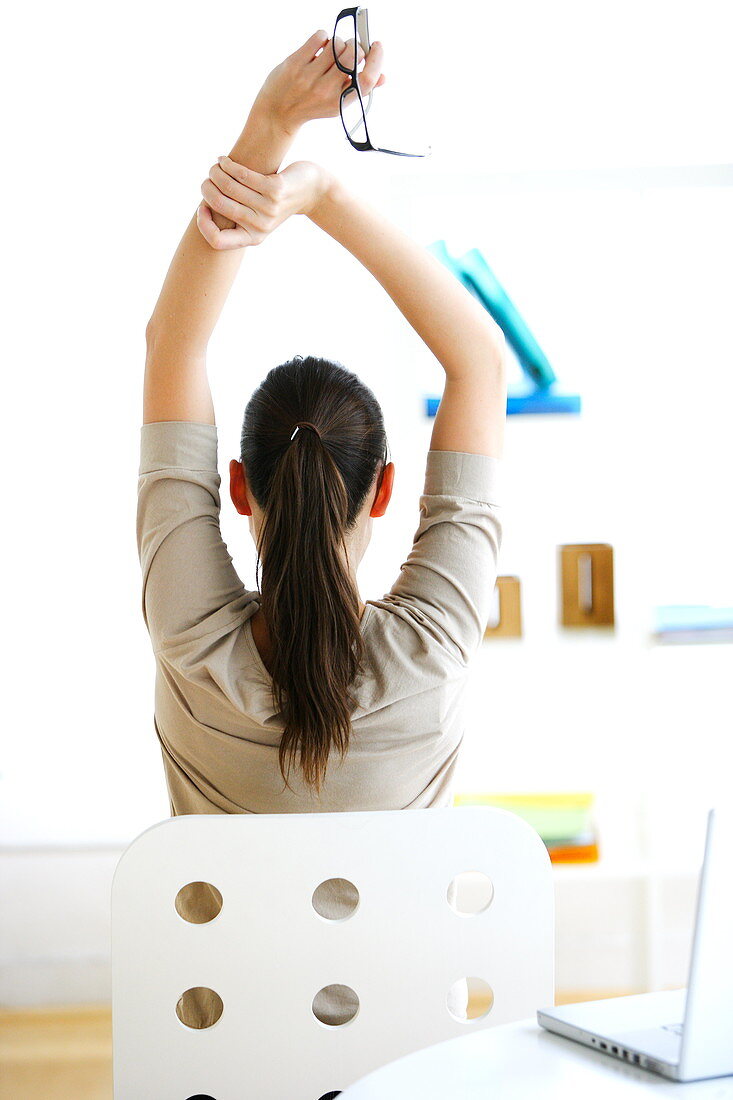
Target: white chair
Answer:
[[269, 953]]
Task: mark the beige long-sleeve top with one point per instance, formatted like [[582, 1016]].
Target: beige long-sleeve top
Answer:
[[215, 720], [214, 717]]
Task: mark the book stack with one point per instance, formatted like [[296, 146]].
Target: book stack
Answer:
[[682, 624], [563, 820]]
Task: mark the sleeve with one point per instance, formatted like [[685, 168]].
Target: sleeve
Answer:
[[189, 583], [450, 574]]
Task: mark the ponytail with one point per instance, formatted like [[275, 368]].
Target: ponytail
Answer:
[[311, 478]]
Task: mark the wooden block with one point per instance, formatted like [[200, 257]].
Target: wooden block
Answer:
[[586, 581], [508, 623]]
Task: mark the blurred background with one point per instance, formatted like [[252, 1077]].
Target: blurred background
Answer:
[[585, 149]]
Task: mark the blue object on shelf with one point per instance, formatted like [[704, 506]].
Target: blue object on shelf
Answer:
[[523, 402], [693, 617], [476, 275], [489, 291], [541, 401], [541, 397]]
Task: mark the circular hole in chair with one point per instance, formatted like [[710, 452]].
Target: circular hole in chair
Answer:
[[335, 898], [470, 999], [335, 1005], [199, 1007], [470, 892], [198, 902]]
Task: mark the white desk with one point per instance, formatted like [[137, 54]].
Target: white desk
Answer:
[[518, 1062]]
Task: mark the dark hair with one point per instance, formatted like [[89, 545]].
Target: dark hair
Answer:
[[311, 490]]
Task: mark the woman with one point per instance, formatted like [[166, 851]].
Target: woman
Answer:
[[364, 697]]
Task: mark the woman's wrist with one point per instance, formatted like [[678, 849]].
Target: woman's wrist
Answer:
[[265, 140], [265, 107], [262, 145]]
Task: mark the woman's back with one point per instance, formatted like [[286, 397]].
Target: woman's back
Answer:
[[214, 714]]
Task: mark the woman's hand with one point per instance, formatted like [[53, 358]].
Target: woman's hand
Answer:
[[308, 85], [257, 204]]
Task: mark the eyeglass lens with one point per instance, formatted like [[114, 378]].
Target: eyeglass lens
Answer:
[[353, 31]]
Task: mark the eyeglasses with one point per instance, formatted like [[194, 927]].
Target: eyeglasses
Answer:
[[352, 26]]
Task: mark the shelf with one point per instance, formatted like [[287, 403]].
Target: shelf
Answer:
[[633, 869]]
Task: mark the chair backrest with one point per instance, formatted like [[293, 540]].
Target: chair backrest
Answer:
[[272, 960]]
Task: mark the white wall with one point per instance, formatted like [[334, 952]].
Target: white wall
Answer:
[[576, 145]]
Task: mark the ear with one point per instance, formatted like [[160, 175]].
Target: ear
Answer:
[[384, 493], [238, 488]]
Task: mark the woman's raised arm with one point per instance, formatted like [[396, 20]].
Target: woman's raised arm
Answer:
[[463, 337], [306, 85]]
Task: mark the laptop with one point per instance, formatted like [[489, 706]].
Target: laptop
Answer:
[[683, 1034]]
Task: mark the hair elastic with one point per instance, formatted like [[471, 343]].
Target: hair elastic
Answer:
[[305, 424]]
